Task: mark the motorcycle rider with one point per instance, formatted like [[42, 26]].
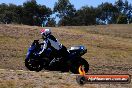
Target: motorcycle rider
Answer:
[[50, 43]]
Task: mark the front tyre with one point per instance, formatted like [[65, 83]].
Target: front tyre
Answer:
[[34, 65], [79, 62]]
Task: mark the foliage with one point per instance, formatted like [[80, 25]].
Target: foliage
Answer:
[[51, 22], [107, 13], [31, 13], [86, 16], [65, 11], [122, 19]]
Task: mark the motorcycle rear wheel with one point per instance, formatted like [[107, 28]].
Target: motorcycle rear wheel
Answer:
[[79, 62]]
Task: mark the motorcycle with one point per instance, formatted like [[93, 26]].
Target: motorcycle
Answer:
[[34, 62]]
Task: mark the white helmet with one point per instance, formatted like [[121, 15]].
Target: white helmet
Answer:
[[45, 32]]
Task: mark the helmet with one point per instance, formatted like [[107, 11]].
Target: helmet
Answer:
[[45, 32]]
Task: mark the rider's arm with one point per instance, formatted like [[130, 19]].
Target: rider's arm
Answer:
[[44, 47]]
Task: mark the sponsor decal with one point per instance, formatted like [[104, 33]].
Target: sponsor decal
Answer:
[[83, 78]]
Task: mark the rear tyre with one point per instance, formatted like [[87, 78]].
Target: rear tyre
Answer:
[[81, 80], [34, 65], [78, 62]]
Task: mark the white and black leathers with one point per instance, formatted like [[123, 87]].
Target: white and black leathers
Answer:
[[52, 43], [57, 50]]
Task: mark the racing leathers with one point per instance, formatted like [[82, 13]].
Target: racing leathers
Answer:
[[56, 48]]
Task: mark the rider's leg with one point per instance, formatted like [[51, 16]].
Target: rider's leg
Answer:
[[61, 57]]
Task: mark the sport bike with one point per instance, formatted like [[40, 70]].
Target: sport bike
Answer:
[[35, 62]]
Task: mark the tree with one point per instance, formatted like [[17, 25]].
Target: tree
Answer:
[[128, 13], [7, 13], [14, 13], [122, 19], [124, 8], [120, 5], [51, 22], [31, 13], [30, 10], [19, 11], [43, 13], [65, 11], [107, 13], [85, 16], [35, 14]]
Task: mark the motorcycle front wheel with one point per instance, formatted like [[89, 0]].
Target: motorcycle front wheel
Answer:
[[34, 65]]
